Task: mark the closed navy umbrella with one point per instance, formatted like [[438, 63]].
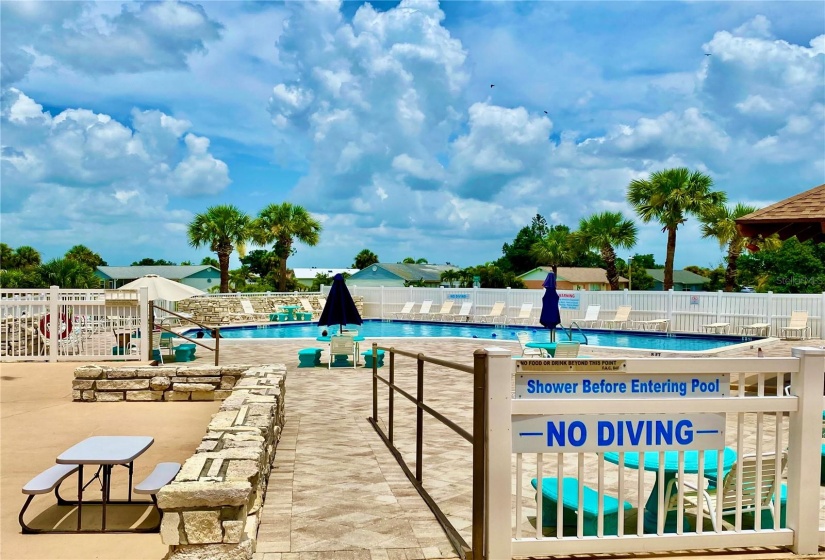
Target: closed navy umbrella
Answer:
[[340, 309], [550, 314]]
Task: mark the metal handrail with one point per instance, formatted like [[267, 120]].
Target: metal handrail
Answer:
[[578, 328], [479, 371], [215, 331]]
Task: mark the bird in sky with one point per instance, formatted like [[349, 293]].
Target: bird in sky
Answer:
[[492, 85], [545, 112], [707, 54]]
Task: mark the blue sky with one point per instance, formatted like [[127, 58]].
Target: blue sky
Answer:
[[119, 122]]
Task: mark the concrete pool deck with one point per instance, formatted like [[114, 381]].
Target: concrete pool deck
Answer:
[[335, 491]]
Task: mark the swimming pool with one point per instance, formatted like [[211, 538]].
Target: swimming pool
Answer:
[[404, 329]]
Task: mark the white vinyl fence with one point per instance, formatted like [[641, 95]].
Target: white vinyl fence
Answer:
[[73, 325], [685, 311], [576, 429]]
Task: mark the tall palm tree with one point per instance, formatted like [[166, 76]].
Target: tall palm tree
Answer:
[[721, 224], [26, 256], [224, 228], [603, 232], [68, 273], [283, 224], [81, 253], [554, 249], [364, 259], [668, 196]]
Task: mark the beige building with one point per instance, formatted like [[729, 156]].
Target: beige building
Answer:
[[572, 278]]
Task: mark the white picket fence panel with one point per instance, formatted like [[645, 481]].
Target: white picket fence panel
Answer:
[[686, 311], [755, 413], [59, 325]]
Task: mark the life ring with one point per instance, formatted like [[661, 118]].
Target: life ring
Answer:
[[64, 327]]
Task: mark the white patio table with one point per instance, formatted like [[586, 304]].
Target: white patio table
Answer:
[[106, 452]]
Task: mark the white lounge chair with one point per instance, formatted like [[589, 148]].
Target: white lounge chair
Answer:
[[494, 316], [249, 310], [622, 317], [591, 316], [524, 314], [424, 310], [798, 324], [757, 328], [406, 311], [443, 313], [342, 345], [463, 313], [523, 338], [307, 307], [566, 350]]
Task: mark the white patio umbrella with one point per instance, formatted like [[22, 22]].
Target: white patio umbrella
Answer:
[[162, 288]]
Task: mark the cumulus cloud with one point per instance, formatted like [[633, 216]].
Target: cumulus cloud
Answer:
[[83, 166], [83, 37]]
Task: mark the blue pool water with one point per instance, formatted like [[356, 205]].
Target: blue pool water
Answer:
[[402, 329]]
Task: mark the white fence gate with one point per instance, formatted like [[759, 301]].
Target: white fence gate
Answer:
[[73, 325], [685, 311], [588, 486]]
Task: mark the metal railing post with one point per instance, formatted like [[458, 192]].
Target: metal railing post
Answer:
[[804, 431], [419, 422], [54, 322], [216, 334], [374, 383], [479, 451], [391, 407]]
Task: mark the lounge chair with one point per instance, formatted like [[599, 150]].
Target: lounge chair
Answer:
[[406, 311], [463, 313], [443, 313], [622, 317], [523, 338], [524, 315], [751, 498], [798, 324], [342, 345], [757, 328], [494, 316], [566, 350], [591, 316], [424, 310], [250, 312], [309, 310]]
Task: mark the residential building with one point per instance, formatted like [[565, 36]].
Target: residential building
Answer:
[[571, 278], [305, 276], [683, 280], [202, 277], [386, 274]]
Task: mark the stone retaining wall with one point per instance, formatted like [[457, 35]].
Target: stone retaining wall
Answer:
[[213, 507], [154, 383], [224, 310]]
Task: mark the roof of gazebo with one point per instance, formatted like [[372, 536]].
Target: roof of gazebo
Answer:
[[802, 215]]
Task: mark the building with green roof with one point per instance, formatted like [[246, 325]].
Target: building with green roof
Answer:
[[683, 280], [397, 274], [202, 277]]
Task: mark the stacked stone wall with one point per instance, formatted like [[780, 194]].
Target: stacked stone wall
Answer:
[[20, 337], [212, 509], [225, 310], [154, 383]]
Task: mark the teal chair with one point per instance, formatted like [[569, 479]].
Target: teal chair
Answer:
[[570, 506]]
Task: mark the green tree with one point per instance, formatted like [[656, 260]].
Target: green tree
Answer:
[[715, 275], [321, 279], [492, 276], [720, 223], [153, 262], [408, 260], [555, 249], [19, 278], [26, 257], [450, 276], [646, 261], [603, 232], [668, 197], [6, 258], [792, 268], [186, 263], [68, 273], [516, 256], [283, 224], [210, 261], [364, 259], [223, 228], [81, 253]]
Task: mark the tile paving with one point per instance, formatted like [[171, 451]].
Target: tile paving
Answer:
[[336, 492]]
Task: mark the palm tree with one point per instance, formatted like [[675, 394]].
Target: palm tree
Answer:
[[450, 276], [283, 224], [554, 249], [224, 228], [68, 273], [720, 223], [81, 253], [667, 197], [603, 232], [364, 259], [26, 256]]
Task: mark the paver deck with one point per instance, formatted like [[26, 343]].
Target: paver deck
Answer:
[[336, 492]]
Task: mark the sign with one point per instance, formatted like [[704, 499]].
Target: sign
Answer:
[[569, 300], [694, 300], [569, 365], [618, 432], [476, 281], [458, 296], [622, 385]]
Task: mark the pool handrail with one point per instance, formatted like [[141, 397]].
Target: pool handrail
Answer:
[[578, 328]]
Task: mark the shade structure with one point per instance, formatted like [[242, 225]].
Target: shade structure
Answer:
[[162, 288], [340, 309], [550, 315]]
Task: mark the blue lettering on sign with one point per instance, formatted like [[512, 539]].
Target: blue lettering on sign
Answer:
[[576, 432], [655, 432], [536, 387]]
